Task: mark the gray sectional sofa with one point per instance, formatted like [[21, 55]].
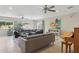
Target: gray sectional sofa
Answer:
[[35, 42]]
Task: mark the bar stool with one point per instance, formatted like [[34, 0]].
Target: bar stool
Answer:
[[67, 46]]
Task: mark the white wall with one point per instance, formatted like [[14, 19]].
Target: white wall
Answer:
[[68, 22]]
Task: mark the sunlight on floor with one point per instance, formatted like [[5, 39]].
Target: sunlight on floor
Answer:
[[8, 45]]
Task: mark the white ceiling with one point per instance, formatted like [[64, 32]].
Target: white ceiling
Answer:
[[34, 11]]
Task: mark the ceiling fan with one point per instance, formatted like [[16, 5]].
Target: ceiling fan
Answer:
[[46, 8]]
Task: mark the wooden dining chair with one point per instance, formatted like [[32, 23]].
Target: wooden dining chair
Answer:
[[67, 44]]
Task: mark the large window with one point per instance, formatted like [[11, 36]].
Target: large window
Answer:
[[5, 25]]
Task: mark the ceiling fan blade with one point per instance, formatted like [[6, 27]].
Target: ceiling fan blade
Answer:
[[45, 9], [52, 10], [48, 9], [52, 7]]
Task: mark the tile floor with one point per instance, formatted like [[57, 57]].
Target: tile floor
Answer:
[[7, 45], [56, 48]]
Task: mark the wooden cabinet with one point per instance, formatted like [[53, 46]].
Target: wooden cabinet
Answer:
[[76, 40]]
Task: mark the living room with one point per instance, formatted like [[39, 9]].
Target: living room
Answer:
[[40, 28]]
